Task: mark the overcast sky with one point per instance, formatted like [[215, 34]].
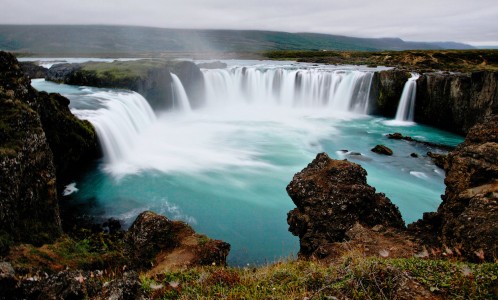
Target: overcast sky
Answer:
[[469, 21]]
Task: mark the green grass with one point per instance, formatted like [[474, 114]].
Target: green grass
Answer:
[[353, 278]]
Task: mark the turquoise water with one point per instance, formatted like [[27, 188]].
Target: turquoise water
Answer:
[[224, 170]]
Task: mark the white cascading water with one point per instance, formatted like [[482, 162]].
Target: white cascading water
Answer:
[[121, 120], [180, 98], [336, 90], [406, 106]]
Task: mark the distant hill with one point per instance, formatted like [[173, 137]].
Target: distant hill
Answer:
[[128, 39]]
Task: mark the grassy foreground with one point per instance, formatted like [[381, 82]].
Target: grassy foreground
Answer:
[[353, 277]]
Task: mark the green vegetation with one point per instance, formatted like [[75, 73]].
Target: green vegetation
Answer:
[[448, 60], [352, 277], [121, 70]]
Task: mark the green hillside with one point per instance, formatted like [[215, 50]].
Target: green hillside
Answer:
[[96, 39]]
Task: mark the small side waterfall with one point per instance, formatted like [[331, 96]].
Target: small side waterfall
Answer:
[[406, 106], [180, 98], [336, 90]]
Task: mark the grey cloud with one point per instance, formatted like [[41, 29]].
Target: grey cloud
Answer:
[[421, 20]]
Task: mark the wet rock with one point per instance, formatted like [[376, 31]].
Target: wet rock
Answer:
[[399, 136], [439, 159], [331, 197], [415, 155], [381, 149]]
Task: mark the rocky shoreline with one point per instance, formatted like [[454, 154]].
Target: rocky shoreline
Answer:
[[337, 211]]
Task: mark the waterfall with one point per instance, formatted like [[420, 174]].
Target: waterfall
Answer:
[[123, 116], [180, 99], [406, 106], [336, 90]]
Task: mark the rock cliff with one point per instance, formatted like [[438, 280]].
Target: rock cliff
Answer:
[[456, 102], [449, 101], [331, 197], [28, 195], [466, 219], [386, 90], [40, 140]]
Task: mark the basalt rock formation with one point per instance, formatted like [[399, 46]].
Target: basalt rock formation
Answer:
[[466, 219], [456, 102], [387, 87], [33, 128], [332, 196], [449, 101]]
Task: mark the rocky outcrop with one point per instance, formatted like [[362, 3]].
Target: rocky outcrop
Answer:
[[456, 102], [331, 197], [28, 196], [466, 219], [33, 128], [469, 211], [169, 245], [381, 149]]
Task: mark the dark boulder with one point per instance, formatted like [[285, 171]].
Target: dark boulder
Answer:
[[381, 149], [331, 197]]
